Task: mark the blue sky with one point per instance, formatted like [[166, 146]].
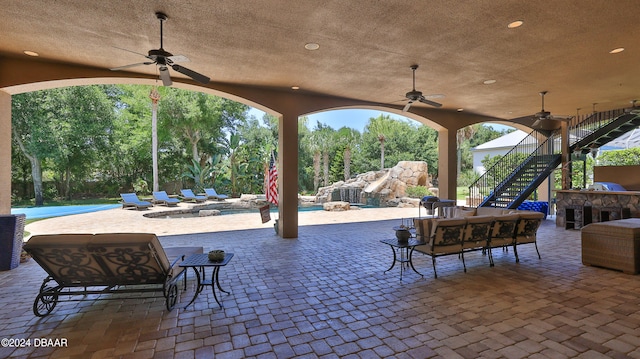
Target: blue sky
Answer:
[[352, 118]]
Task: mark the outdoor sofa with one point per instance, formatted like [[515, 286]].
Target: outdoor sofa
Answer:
[[481, 229], [105, 264]]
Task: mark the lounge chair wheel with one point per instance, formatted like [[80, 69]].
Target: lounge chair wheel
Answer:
[[172, 296], [45, 302]]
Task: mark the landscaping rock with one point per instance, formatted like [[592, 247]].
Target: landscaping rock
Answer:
[[208, 212], [336, 206]]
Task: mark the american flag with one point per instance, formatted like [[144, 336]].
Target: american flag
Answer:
[[272, 181]]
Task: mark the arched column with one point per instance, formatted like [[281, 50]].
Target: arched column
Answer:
[[288, 175], [5, 153], [447, 169]]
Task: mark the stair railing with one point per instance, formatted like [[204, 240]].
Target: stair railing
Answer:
[[510, 162], [579, 128]]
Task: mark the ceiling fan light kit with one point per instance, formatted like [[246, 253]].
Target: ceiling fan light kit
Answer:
[[164, 59]]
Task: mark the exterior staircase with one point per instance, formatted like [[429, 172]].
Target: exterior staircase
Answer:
[[516, 176]]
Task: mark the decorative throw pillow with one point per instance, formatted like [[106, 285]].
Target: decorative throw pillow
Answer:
[[463, 213]]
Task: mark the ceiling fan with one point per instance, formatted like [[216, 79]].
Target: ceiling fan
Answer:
[[414, 95], [544, 116], [164, 59]]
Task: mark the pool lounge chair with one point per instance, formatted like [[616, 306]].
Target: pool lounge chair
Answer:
[[106, 266], [212, 194], [132, 200], [188, 195], [161, 197]]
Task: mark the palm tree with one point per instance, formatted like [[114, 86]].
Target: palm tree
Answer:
[[381, 127], [348, 138], [463, 135], [314, 142], [154, 96]]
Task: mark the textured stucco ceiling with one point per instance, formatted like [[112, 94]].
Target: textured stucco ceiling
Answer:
[[366, 47]]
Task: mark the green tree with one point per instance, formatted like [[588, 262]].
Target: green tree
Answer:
[[199, 119], [84, 121], [68, 127], [626, 157], [31, 126], [315, 146], [348, 139], [381, 128], [129, 159], [260, 138], [404, 141], [462, 138]]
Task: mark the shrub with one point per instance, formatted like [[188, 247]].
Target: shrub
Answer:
[[141, 186], [418, 192]]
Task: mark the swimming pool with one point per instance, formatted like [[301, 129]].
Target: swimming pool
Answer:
[[57, 211], [194, 213]]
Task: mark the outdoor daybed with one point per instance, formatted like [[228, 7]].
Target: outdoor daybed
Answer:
[[108, 263]]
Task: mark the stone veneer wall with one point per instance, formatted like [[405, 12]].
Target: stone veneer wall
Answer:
[[596, 199]]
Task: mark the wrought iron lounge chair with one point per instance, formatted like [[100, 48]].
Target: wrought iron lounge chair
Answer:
[[212, 194], [161, 197], [109, 263], [188, 195], [132, 200]]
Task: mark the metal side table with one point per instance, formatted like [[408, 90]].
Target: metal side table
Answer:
[[201, 261], [406, 251]]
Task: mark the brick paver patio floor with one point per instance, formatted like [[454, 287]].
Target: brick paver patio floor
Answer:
[[325, 295]]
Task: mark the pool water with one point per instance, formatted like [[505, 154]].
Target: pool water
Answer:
[[57, 211], [195, 214]]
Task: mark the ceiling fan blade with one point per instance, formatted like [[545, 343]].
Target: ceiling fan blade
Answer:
[[561, 118], [535, 124], [435, 95], [131, 65], [429, 102], [406, 107], [194, 75], [178, 58], [133, 52], [164, 76]]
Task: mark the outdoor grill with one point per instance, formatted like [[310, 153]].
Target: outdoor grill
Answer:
[[427, 202]]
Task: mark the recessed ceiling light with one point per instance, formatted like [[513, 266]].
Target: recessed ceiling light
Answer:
[[311, 46], [515, 24], [617, 50], [31, 53], [489, 82], [295, 87]]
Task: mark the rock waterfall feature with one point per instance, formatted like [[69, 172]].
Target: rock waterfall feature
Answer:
[[386, 188]]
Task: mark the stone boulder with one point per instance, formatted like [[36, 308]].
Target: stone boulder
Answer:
[[208, 212], [336, 206], [378, 187]]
